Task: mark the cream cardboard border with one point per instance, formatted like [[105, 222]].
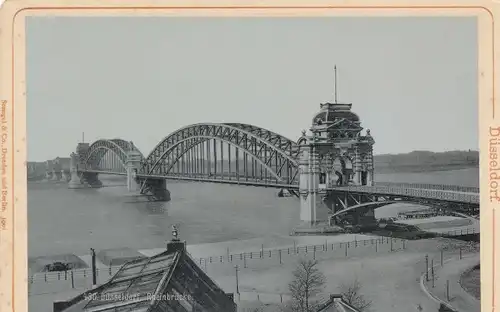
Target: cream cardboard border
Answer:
[[13, 220]]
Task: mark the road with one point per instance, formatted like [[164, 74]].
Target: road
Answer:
[[451, 272]]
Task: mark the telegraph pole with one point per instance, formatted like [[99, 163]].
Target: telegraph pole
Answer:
[[426, 268], [447, 290], [236, 268], [335, 82], [94, 270]]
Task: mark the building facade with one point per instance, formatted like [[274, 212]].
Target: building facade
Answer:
[[334, 154]]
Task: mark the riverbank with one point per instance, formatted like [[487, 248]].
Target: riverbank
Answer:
[[120, 255], [388, 278], [424, 169], [426, 161]]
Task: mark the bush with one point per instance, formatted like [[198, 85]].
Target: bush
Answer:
[[412, 235]]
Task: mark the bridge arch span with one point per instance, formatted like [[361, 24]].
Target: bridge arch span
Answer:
[[116, 147], [179, 149], [277, 154], [380, 204]]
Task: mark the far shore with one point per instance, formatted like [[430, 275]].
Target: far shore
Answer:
[[423, 169], [378, 170]]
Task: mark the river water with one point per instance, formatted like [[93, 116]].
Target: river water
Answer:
[[62, 221]]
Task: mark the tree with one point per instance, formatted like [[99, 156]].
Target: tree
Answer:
[[351, 293], [307, 282]]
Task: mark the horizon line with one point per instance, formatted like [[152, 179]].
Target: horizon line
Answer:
[[374, 155]]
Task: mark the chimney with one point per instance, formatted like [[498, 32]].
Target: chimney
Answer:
[[175, 244]]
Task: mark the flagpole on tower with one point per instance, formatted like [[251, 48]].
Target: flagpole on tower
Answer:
[[335, 85], [83, 137]]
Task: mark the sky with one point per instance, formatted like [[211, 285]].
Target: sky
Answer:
[[412, 80]]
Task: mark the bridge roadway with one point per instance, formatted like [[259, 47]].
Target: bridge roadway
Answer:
[[237, 154], [450, 193], [433, 194]]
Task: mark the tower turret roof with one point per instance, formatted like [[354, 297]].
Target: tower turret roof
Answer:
[[331, 112]]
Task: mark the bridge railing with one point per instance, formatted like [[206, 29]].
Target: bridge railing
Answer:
[[457, 232], [429, 186], [103, 169], [414, 192], [226, 179]]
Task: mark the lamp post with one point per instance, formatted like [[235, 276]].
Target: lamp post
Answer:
[[236, 269], [426, 268], [94, 269]]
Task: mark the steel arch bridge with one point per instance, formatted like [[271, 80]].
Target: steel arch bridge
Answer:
[[434, 205], [107, 156], [235, 153], [230, 152], [217, 152]]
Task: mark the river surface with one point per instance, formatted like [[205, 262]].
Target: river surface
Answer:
[[62, 221]]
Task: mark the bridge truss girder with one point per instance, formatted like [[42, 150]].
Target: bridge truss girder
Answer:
[[108, 155], [225, 152], [343, 200]]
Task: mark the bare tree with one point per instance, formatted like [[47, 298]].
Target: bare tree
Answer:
[[307, 282], [351, 293]]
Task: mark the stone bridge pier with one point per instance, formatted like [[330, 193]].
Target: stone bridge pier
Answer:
[[91, 179], [64, 176], [55, 176], [132, 166], [313, 208], [75, 181], [155, 189]]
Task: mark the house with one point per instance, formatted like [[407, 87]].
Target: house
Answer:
[[336, 304], [169, 281], [36, 170], [61, 163]]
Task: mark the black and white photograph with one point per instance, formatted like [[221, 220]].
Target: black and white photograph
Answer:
[[257, 163]]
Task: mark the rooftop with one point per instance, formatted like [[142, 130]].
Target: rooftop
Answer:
[[132, 287], [336, 304], [158, 283], [331, 112]]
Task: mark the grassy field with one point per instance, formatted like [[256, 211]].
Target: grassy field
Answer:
[[471, 282]]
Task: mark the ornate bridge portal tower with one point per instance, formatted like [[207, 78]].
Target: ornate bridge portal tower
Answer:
[[82, 179], [133, 165], [335, 154]]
